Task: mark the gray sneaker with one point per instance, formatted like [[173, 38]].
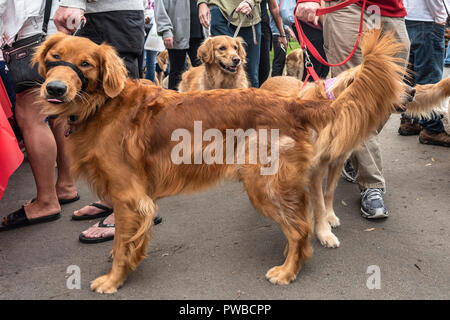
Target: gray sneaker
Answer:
[[372, 204]]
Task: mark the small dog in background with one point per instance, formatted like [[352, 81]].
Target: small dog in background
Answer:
[[294, 64], [223, 59], [162, 60]]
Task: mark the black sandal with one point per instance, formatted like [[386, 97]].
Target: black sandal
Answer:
[[84, 239], [19, 219], [106, 212]]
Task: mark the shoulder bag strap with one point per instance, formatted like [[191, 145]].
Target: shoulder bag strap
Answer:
[[48, 9]]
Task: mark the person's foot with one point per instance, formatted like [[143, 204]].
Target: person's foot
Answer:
[[437, 139], [348, 172], [39, 208], [372, 204], [66, 191], [91, 210], [409, 127], [105, 231]]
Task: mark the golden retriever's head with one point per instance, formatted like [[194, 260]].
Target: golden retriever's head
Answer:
[[76, 68], [226, 52]]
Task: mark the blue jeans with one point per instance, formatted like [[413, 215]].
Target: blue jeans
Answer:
[[447, 57], [427, 61], [219, 26], [150, 58]]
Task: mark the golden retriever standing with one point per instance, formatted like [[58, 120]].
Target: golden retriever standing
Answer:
[[223, 60], [123, 141]]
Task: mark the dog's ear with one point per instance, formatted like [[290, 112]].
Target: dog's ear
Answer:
[[206, 51], [114, 71], [241, 49], [43, 49]]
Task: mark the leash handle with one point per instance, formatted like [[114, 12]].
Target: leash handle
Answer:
[[336, 7]]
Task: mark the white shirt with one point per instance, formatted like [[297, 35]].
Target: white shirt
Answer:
[[23, 18], [426, 10]]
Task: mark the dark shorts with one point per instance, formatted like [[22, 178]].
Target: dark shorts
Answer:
[[124, 30]]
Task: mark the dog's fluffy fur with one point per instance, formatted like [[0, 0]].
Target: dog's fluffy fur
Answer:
[[122, 142], [223, 59], [162, 59], [294, 64]]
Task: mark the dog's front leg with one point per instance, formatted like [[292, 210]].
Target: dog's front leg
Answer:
[[133, 220], [323, 228]]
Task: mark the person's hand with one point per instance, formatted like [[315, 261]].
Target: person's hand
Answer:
[[282, 41], [168, 42], [204, 15], [306, 11], [244, 8], [147, 20], [68, 19], [291, 34]]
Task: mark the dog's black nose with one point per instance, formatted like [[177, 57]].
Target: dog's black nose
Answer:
[[236, 61], [56, 89]]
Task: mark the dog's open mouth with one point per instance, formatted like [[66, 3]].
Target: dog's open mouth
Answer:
[[231, 69]]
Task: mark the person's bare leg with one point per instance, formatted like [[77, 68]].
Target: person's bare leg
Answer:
[[41, 150], [65, 185]]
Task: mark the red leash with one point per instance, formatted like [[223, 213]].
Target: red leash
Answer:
[[306, 45]]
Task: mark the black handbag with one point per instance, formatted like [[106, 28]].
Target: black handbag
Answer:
[[18, 57]]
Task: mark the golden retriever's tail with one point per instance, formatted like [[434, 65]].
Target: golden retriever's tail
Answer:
[[429, 97], [370, 98]]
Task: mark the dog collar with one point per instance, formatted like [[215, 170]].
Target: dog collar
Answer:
[[84, 80], [328, 84]]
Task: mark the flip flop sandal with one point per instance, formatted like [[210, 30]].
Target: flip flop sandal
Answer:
[[106, 212], [63, 201], [19, 219], [84, 239]]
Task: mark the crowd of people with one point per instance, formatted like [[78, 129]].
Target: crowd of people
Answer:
[[182, 26]]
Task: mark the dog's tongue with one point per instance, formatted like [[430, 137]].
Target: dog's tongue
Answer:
[[54, 100]]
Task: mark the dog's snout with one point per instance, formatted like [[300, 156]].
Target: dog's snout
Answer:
[[236, 60], [56, 89]]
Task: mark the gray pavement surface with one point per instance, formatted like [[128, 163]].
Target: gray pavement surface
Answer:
[[214, 245]]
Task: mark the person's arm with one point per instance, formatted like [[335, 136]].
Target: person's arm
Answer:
[[437, 10], [275, 12], [68, 16], [164, 25], [306, 11]]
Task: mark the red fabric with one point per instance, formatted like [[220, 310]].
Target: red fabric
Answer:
[[4, 101], [10, 155], [388, 8]]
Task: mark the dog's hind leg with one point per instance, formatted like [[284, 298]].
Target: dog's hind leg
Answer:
[[334, 171], [133, 221], [322, 226]]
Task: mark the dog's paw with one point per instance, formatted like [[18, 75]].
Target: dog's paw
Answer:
[[104, 284], [328, 239], [279, 275], [333, 220]]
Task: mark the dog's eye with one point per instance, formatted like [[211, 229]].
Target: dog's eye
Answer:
[[235, 48], [56, 56], [222, 48], [85, 64]]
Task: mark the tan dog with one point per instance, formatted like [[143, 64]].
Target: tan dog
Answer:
[[294, 64], [223, 61], [123, 141], [162, 59]]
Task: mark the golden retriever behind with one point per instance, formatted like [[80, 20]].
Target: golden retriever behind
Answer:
[[123, 141], [223, 60], [294, 64]]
